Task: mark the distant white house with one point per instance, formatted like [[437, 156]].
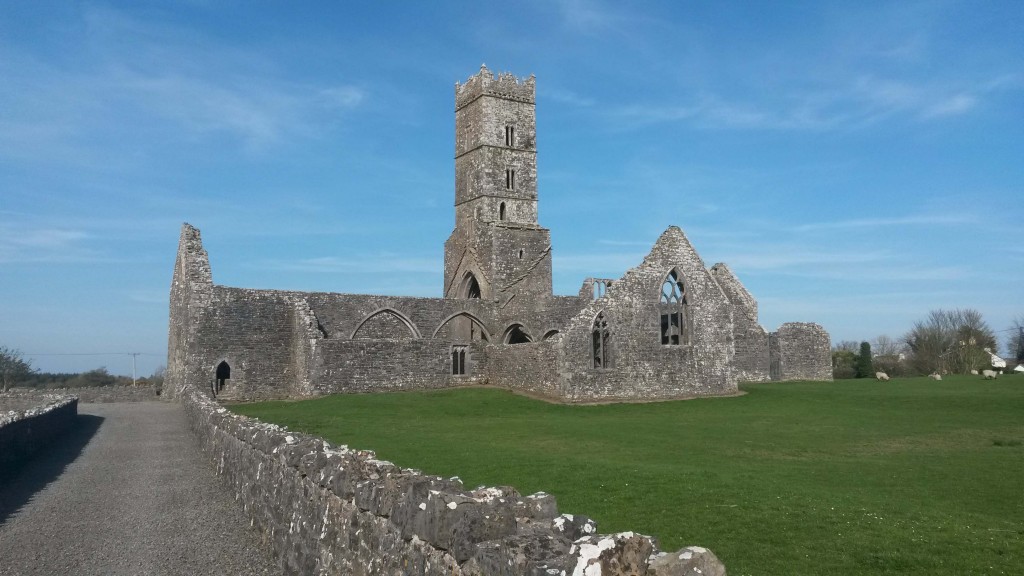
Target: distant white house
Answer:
[[997, 362]]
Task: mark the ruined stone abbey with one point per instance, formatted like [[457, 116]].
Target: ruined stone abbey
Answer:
[[668, 328]]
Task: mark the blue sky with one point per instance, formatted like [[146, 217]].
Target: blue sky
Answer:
[[856, 164]]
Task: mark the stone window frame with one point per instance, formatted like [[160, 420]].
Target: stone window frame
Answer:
[[510, 136], [600, 287], [674, 310], [601, 343], [460, 360], [510, 178]]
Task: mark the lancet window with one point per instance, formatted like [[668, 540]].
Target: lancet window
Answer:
[[602, 339], [459, 360]]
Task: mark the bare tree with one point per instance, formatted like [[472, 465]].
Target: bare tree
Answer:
[[952, 341], [889, 355], [1015, 339], [13, 367], [846, 346], [886, 346]]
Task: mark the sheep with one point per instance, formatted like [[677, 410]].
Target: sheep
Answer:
[[935, 376], [989, 374], [975, 372], [881, 376]]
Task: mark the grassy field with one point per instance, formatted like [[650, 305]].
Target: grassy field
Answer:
[[910, 476]]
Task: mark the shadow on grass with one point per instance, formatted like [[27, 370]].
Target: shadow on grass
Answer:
[[19, 483]]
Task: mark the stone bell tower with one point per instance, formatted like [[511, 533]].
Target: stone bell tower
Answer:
[[497, 250]]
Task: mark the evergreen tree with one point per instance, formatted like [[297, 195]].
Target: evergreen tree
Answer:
[[864, 369]]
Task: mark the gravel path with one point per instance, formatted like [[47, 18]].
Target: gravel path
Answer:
[[128, 492]]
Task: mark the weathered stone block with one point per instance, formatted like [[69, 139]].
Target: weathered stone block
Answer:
[[623, 554], [539, 506], [689, 561], [574, 526]]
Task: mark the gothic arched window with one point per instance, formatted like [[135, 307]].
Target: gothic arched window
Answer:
[[470, 287], [672, 308], [602, 339]]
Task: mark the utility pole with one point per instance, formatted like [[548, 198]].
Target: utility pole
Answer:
[[1020, 344], [134, 355]]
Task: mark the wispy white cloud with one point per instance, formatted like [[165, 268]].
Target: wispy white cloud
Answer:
[[605, 265], [952, 106], [137, 79], [569, 97], [912, 220], [371, 264], [21, 244], [867, 101], [891, 271], [778, 257], [258, 112], [640, 243], [801, 260], [586, 15]]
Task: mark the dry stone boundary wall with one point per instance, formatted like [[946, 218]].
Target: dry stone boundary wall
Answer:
[[92, 394], [23, 432], [326, 509]]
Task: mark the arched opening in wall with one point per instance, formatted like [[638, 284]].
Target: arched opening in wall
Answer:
[[462, 327], [221, 377], [470, 287], [550, 334], [601, 338], [386, 323], [501, 211], [516, 334], [673, 312]]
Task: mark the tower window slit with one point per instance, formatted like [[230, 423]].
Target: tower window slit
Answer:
[[510, 179], [510, 135]]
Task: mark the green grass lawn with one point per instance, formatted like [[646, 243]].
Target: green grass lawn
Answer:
[[910, 476]]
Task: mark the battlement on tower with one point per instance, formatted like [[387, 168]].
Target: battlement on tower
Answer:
[[506, 86]]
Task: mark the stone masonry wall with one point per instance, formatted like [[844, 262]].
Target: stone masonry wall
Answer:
[[534, 368], [391, 365], [803, 352], [26, 431], [641, 367], [91, 394], [253, 331], [191, 292], [750, 340], [326, 509]]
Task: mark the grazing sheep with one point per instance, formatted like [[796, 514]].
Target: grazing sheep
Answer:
[[935, 376], [881, 376], [989, 374], [975, 372]]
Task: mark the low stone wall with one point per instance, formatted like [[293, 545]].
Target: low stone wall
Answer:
[[25, 431], [333, 510], [92, 394]]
